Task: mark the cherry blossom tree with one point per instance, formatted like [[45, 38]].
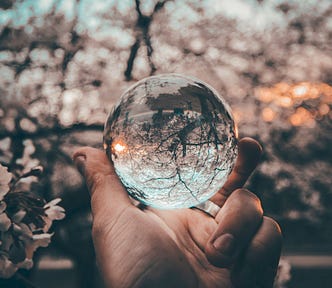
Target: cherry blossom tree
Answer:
[[63, 67]]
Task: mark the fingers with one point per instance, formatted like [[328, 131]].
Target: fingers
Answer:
[[259, 265], [249, 154], [108, 196], [238, 221]]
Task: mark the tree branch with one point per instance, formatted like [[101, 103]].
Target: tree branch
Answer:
[[159, 5], [138, 7], [131, 59]]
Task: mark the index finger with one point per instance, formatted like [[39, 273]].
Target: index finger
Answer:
[[249, 154]]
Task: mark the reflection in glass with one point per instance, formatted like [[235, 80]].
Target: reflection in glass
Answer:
[[172, 140]]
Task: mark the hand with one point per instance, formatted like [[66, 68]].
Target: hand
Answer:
[[146, 247]]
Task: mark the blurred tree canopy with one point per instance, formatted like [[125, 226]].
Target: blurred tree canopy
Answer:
[[63, 64]]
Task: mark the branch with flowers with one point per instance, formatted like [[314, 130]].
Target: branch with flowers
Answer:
[[25, 219]]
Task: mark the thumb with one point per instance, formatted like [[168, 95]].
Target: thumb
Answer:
[[238, 221], [108, 195]]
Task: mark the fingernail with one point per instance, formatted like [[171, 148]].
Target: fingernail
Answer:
[[225, 244], [80, 163]]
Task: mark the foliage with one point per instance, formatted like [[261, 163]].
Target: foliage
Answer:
[[25, 220]]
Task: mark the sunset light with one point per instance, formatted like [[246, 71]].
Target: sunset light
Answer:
[[268, 114], [302, 103], [119, 147]]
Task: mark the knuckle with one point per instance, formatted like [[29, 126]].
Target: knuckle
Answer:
[[273, 226], [251, 199]]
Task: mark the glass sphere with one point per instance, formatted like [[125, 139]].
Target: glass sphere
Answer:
[[172, 140]]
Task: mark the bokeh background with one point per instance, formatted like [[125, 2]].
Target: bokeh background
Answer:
[[63, 64]]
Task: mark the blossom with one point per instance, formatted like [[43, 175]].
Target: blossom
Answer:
[[26, 264], [41, 240], [5, 222], [53, 212], [24, 221], [18, 216], [5, 178], [3, 206], [25, 232]]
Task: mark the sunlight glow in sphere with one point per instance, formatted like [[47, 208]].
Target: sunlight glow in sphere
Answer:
[[172, 140]]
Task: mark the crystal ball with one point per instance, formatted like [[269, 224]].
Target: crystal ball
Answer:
[[172, 140]]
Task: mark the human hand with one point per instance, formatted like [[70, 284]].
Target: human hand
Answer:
[[140, 246]]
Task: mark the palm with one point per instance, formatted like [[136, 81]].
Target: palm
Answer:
[[173, 241]]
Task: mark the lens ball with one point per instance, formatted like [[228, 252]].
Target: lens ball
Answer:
[[172, 140]]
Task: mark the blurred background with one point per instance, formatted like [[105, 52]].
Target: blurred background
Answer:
[[65, 63]]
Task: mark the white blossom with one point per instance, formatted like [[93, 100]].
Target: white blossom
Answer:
[[52, 203], [25, 232], [18, 217], [48, 223], [5, 222], [16, 227], [3, 206], [53, 211], [26, 264], [41, 240], [5, 178]]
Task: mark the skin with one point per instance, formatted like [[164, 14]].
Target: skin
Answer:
[[139, 246]]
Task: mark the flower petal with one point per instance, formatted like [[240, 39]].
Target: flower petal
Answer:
[[5, 178], [17, 218], [3, 206], [26, 264], [4, 222], [55, 213], [41, 240], [26, 233], [52, 203], [48, 224]]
